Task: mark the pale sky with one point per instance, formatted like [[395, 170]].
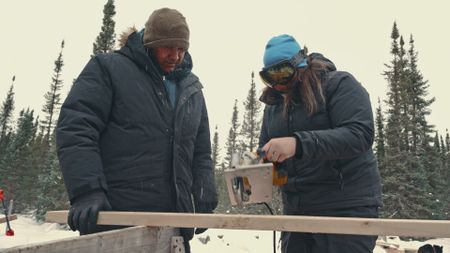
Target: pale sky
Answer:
[[227, 43]]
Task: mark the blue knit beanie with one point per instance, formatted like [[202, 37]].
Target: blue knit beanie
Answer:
[[282, 47]]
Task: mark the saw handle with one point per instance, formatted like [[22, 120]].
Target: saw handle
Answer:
[[279, 177]]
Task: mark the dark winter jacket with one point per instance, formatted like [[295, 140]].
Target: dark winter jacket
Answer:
[[334, 166], [118, 132]]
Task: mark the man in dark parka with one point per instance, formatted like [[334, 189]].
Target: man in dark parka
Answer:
[[133, 133]]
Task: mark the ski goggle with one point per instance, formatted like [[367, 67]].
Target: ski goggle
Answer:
[[282, 72]]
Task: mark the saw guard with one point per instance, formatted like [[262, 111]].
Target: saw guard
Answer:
[[249, 184]]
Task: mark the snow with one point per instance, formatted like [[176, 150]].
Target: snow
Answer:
[[27, 231]]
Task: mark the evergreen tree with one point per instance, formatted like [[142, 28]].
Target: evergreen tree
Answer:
[[379, 137], [104, 43], [447, 141], [393, 129], [419, 104], [252, 121], [233, 135], [18, 163], [393, 126], [224, 203], [401, 170], [215, 149], [443, 148], [446, 177], [433, 177], [6, 112], [433, 159], [52, 97], [52, 194], [405, 102]]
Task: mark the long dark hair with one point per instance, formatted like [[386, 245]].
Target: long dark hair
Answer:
[[306, 86]]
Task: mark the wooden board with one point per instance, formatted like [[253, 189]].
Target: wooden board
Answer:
[[130, 240], [315, 224], [10, 218]]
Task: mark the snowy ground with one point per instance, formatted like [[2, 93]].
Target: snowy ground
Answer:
[[220, 241]]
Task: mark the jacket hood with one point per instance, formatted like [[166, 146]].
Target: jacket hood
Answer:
[[328, 63], [273, 97], [132, 47]]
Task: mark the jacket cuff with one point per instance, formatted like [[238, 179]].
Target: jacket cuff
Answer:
[[89, 186], [298, 146]]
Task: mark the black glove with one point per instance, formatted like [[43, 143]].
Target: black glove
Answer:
[[204, 207], [83, 213]]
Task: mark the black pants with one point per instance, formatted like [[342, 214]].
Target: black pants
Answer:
[[292, 242]]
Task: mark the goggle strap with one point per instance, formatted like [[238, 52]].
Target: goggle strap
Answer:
[[299, 57]]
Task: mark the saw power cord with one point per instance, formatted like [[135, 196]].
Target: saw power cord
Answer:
[[274, 232]]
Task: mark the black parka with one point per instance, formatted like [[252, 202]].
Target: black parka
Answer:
[[336, 168], [118, 132]]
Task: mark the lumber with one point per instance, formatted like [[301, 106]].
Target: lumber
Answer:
[[314, 224], [10, 218]]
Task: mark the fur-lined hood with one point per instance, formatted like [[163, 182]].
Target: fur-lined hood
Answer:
[[123, 37]]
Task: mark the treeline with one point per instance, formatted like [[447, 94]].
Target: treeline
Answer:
[[414, 159], [29, 167]]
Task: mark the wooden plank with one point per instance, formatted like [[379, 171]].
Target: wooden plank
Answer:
[[10, 218], [131, 240], [315, 224]]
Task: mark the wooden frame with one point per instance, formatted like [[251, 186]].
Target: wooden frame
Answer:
[[315, 224], [138, 239]]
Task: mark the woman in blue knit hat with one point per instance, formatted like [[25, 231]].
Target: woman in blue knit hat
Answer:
[[318, 126]]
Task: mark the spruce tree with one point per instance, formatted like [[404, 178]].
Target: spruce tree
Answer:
[[446, 177], [379, 136], [393, 129], [401, 170], [420, 131], [233, 135], [104, 43], [19, 164], [419, 103], [433, 177], [443, 149], [215, 149], [224, 202], [52, 194], [53, 97], [6, 113], [447, 141], [405, 102], [252, 121]]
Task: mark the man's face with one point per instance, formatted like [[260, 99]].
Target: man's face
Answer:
[[169, 57]]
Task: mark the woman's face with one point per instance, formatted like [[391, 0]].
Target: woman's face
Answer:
[[281, 88]]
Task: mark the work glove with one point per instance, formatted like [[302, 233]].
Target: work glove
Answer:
[[83, 213], [204, 207]]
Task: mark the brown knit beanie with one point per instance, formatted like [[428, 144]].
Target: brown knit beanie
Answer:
[[166, 28]]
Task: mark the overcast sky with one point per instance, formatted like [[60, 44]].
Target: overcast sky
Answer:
[[227, 43]]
